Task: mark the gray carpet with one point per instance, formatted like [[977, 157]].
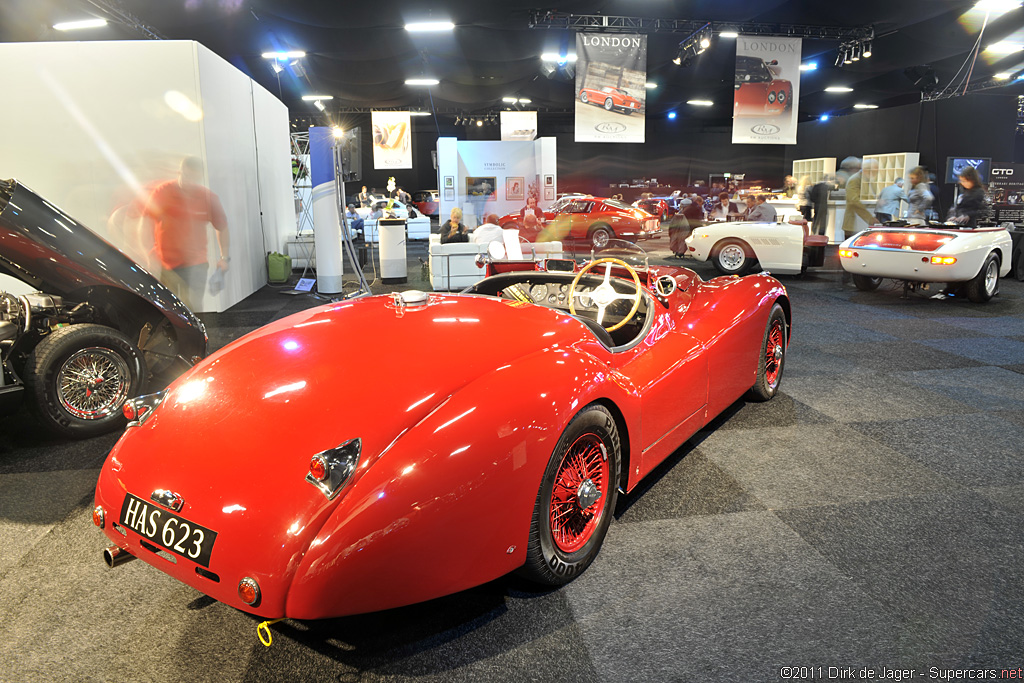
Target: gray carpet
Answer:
[[869, 516]]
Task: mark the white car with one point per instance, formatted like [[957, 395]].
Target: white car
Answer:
[[975, 258], [735, 247], [417, 226]]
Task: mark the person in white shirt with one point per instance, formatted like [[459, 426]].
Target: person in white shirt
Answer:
[[488, 231]]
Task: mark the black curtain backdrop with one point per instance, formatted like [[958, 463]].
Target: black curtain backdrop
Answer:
[[680, 152]]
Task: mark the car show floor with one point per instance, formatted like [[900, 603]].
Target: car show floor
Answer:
[[869, 516]]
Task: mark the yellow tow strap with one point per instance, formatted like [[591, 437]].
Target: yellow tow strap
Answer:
[[263, 631]]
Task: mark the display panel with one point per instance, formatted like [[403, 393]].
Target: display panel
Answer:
[[955, 165]]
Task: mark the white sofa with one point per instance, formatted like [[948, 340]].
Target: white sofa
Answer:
[[453, 266]]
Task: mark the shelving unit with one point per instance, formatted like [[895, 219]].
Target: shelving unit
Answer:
[[817, 169], [890, 167]]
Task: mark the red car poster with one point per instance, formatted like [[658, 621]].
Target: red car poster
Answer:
[[611, 72], [766, 90]]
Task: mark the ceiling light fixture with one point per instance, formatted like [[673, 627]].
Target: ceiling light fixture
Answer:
[[809, 66], [865, 106], [1004, 47], [427, 26], [855, 53], [524, 100], [317, 97], [728, 34], [338, 131], [510, 100], [838, 88], [276, 66], [996, 6], [1002, 76], [671, 115], [650, 86], [867, 50], [319, 105], [294, 54], [82, 23], [824, 117], [419, 113], [555, 57], [678, 59], [421, 81], [700, 103], [479, 122]]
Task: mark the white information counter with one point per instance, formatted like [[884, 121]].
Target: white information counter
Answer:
[[836, 214], [393, 268]]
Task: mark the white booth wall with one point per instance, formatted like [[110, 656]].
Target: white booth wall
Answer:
[[532, 160], [94, 126]]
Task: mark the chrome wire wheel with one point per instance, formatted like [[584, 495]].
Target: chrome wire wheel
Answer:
[[600, 238], [775, 351], [93, 383], [581, 483], [991, 277]]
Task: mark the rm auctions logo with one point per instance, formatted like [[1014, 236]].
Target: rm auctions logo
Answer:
[[610, 127], [765, 129]]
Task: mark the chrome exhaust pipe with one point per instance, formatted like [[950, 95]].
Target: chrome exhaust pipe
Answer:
[[115, 556]]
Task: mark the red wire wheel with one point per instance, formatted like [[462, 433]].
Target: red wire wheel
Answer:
[[581, 482], [774, 351]]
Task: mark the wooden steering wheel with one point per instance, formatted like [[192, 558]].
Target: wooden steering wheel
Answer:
[[604, 294]]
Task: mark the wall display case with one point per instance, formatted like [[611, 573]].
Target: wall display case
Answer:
[[890, 167], [817, 169]]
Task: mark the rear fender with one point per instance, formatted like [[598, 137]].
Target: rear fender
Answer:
[[448, 505]]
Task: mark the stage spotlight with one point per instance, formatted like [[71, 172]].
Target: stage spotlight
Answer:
[[840, 58], [678, 59], [855, 53], [867, 49], [671, 115], [479, 122], [823, 117], [276, 66], [319, 105]]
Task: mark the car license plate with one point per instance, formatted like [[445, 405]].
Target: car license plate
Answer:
[[167, 530]]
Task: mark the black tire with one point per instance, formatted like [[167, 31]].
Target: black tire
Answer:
[[608, 104], [627, 112], [731, 257], [865, 283], [600, 235], [772, 360], [985, 284], [546, 561], [583, 98], [56, 394], [1018, 264]]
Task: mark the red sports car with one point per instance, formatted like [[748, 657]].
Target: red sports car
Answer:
[[611, 99], [654, 206], [583, 219], [759, 90], [426, 201], [250, 482]]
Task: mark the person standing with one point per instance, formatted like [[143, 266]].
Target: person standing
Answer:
[[920, 197], [887, 206], [802, 197], [453, 230], [971, 205], [818, 196], [365, 199], [180, 210], [854, 205]]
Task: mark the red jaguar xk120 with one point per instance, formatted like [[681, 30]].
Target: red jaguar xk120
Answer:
[[249, 481], [587, 220], [612, 99], [759, 90]]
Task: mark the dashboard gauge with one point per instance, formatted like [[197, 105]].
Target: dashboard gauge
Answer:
[[538, 292], [552, 299], [564, 289]]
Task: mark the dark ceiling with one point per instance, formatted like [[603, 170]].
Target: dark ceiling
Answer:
[[360, 53]]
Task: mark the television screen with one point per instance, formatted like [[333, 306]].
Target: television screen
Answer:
[[954, 165]]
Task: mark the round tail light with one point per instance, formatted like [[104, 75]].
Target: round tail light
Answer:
[[98, 516], [128, 409], [318, 468], [248, 591]]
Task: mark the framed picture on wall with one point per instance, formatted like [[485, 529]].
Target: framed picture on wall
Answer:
[[449, 194], [549, 194], [449, 182], [549, 181], [483, 187], [515, 189]]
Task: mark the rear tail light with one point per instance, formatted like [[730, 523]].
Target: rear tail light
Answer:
[[138, 410], [249, 591], [98, 516], [943, 260], [336, 467], [848, 253], [318, 468]]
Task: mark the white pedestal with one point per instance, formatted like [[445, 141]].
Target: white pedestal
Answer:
[[393, 269]]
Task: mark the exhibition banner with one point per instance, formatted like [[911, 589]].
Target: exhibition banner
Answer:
[[1006, 190], [767, 90], [518, 125], [611, 77], [392, 139]]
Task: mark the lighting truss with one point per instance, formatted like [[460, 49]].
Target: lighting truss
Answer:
[[115, 10], [543, 19]]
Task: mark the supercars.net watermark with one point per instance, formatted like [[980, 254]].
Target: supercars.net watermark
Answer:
[[884, 673]]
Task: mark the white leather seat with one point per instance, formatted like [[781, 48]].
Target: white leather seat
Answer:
[[453, 266]]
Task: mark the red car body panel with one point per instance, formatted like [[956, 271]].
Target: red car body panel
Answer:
[[573, 217], [758, 90], [452, 453], [426, 202], [610, 98]]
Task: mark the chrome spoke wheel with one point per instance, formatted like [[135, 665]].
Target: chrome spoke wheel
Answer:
[[991, 277], [93, 383]]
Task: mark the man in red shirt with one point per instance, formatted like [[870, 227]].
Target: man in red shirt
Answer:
[[180, 210]]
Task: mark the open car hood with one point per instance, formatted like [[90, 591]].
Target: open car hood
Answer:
[[51, 251]]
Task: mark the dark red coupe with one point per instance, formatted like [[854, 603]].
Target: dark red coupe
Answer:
[[758, 89], [249, 481], [588, 220]]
